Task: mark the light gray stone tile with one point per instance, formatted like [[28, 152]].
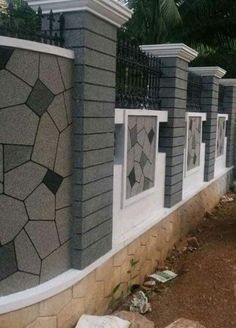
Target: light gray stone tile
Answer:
[[64, 194], [43, 235], [1, 188], [12, 90], [15, 156], [46, 142], [49, 73], [41, 204], [21, 181], [57, 111], [24, 64], [1, 163], [66, 68], [12, 218], [56, 263], [17, 282], [64, 223], [18, 125], [63, 164], [69, 105], [27, 257]]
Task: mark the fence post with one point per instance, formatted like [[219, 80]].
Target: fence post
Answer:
[[229, 107], [209, 104], [173, 94], [91, 31]]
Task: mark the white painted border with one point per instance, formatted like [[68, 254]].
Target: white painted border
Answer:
[[71, 277], [203, 118], [36, 46], [226, 119]]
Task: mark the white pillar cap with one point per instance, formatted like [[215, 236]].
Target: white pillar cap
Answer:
[[228, 82], [110, 10], [177, 50], [215, 71]]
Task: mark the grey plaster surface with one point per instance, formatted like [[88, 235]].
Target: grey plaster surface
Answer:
[[12, 218], [7, 261], [49, 73], [41, 204], [69, 105], [18, 125], [15, 156], [63, 196], [58, 113], [21, 181], [63, 164], [46, 142], [43, 235], [24, 64], [17, 282], [66, 68], [13, 91], [26, 255], [1, 188]]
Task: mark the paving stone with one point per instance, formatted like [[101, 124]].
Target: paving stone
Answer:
[[66, 68], [44, 236], [1, 163], [56, 263], [20, 318], [7, 261], [12, 218], [18, 125], [13, 91], [46, 322], [21, 181], [40, 98], [63, 164], [55, 304], [24, 64], [46, 142], [64, 194], [17, 282], [57, 111], [49, 73], [41, 204], [69, 105], [184, 323], [15, 156], [5, 54], [64, 223], [52, 181], [136, 320], [27, 257]]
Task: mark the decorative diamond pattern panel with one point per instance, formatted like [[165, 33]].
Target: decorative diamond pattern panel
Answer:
[[141, 153], [220, 142], [194, 142]]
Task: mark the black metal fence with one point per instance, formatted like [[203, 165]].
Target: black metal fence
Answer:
[[194, 91], [137, 78], [23, 23]]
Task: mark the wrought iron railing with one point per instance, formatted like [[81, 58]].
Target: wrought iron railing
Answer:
[[137, 77], [194, 91], [23, 23]]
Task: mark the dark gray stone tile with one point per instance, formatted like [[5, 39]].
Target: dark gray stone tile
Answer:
[[15, 156], [7, 261], [40, 98], [53, 181], [5, 54]]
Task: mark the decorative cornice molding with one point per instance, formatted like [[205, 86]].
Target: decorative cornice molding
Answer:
[[228, 82], [109, 10], [208, 71], [178, 50]]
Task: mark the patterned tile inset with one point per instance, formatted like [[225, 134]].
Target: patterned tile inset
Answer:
[[194, 142], [140, 154], [220, 144]]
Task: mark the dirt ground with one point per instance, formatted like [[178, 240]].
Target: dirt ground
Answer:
[[204, 288]]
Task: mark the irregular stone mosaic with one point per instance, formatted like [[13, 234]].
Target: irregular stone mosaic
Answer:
[[194, 142], [35, 168], [220, 141], [141, 153]]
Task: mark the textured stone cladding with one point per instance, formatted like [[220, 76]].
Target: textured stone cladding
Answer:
[[95, 292], [194, 142], [35, 168], [141, 151]]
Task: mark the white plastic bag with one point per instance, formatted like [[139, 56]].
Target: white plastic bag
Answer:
[[109, 321]]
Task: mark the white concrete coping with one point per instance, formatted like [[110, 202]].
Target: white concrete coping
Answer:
[[228, 82], [215, 71], [36, 46], [69, 278], [110, 10], [178, 50]]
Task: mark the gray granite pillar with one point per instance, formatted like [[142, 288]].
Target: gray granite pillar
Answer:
[[228, 106], [209, 104], [91, 31], [174, 59]]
